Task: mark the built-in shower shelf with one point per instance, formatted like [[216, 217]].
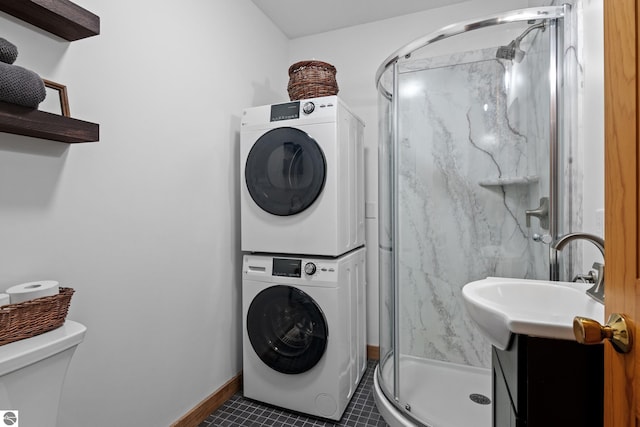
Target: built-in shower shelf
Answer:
[[515, 180]]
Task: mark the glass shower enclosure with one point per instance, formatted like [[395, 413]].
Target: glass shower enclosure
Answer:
[[470, 155]]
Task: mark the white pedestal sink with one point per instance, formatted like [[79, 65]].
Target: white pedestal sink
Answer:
[[501, 307]]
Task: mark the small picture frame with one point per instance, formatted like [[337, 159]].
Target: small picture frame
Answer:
[[57, 101]]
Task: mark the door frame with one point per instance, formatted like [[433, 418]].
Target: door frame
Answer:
[[621, 202]]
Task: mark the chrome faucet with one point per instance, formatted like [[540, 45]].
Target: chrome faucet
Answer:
[[597, 290]]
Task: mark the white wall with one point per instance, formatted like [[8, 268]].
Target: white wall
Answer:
[[357, 52], [143, 224]]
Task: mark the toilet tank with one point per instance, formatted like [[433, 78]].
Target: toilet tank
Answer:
[[32, 373]]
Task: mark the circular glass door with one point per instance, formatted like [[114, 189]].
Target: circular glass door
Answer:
[[285, 171], [287, 329]]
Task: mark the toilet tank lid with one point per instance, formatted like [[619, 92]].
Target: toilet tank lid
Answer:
[[19, 354]]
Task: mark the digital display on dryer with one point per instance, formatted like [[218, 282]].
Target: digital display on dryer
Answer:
[[287, 267], [288, 111]]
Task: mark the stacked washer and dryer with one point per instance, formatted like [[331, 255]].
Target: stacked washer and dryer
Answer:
[[303, 278]]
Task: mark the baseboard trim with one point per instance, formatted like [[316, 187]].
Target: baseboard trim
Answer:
[[202, 410], [373, 352]]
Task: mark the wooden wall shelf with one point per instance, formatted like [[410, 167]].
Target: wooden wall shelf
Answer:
[[71, 22], [39, 124], [60, 17]]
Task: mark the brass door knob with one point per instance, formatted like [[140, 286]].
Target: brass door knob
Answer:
[[589, 331]]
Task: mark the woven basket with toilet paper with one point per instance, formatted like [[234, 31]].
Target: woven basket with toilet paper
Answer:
[[35, 308]]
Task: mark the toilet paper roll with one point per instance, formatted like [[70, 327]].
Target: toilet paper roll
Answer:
[[27, 291], [4, 299]]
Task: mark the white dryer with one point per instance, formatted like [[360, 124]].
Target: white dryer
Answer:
[[302, 178], [304, 344]]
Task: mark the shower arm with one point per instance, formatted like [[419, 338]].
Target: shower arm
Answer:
[[542, 25]]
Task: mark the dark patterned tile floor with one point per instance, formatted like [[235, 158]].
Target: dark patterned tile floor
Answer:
[[241, 412]]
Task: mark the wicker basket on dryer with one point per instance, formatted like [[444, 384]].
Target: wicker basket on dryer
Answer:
[[34, 317], [311, 79]]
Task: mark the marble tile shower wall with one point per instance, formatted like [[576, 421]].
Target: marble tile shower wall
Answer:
[[474, 156]]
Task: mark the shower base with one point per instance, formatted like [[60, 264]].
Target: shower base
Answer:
[[440, 394]]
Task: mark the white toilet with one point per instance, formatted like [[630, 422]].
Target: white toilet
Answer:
[[32, 372]]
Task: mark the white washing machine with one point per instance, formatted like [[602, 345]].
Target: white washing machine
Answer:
[[304, 343], [302, 178]]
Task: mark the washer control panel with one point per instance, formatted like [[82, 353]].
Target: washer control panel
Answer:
[[297, 268], [286, 267]]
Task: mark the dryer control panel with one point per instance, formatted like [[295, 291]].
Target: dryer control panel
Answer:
[[322, 109], [288, 111], [293, 110]]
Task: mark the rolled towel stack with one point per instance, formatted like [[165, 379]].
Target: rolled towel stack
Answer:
[[8, 51], [17, 84]]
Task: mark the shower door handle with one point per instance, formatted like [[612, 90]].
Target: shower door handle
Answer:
[[541, 212]]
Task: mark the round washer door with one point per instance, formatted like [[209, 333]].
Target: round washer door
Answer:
[[287, 329], [285, 171]]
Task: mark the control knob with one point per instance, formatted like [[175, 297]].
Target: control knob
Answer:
[[308, 107], [310, 268]]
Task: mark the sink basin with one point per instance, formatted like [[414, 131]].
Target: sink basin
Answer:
[[501, 307]]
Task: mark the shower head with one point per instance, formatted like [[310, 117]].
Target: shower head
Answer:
[[512, 51]]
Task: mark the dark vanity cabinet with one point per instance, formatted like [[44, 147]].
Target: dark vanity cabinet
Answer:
[[540, 382]]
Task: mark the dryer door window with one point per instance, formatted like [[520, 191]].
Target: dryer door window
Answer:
[[285, 171], [287, 329]]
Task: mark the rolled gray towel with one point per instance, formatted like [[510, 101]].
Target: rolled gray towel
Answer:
[[21, 86], [8, 51]]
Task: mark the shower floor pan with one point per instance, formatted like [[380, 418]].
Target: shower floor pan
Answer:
[[440, 394]]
